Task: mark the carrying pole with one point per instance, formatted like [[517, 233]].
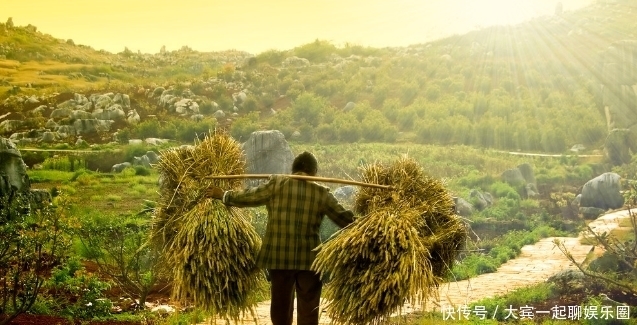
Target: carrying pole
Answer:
[[303, 177]]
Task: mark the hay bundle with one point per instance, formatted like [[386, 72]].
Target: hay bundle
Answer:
[[398, 251], [210, 249], [422, 193]]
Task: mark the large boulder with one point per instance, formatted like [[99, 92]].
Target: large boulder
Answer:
[[267, 152], [464, 208], [513, 177], [619, 146], [113, 112], [10, 126], [602, 192], [122, 99], [89, 126], [141, 161], [133, 117], [480, 200], [13, 170], [80, 115], [153, 157], [527, 172], [345, 194], [61, 113]]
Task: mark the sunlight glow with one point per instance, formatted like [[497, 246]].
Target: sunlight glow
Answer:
[[256, 26]]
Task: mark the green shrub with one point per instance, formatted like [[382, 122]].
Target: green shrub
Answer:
[[142, 170], [86, 179], [117, 245], [135, 150], [113, 197], [308, 107], [75, 293], [244, 126], [326, 133], [504, 190], [57, 163], [316, 52], [307, 133]]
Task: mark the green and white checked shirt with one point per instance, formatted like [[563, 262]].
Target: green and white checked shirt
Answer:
[[295, 211]]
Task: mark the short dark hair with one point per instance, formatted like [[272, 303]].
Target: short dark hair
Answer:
[[305, 162]]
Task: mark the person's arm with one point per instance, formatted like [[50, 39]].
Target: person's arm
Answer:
[[337, 213], [251, 197]]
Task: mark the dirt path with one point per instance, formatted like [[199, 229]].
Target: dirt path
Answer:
[[534, 265]]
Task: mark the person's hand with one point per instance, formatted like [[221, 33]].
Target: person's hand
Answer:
[[214, 192]]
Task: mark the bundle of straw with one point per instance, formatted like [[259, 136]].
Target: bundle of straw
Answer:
[[399, 249], [210, 249]]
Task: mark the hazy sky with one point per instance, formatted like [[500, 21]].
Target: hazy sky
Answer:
[[259, 25]]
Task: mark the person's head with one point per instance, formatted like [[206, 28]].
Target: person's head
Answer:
[[306, 163]]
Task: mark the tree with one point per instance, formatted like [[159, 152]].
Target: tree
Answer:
[[118, 246], [308, 107], [31, 242]]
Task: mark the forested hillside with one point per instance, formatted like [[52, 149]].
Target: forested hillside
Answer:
[[537, 86]]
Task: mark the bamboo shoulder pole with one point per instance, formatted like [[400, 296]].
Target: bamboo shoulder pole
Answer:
[[308, 178]]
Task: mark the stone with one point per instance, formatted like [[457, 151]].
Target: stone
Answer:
[[61, 113], [619, 146], [141, 161], [38, 111], [133, 117], [267, 152], [577, 148], [219, 114], [345, 194], [80, 115], [135, 141], [349, 106], [603, 192], [113, 112], [464, 208], [527, 172], [163, 309], [90, 126], [153, 157], [13, 170], [155, 141], [40, 198], [118, 168], [49, 137], [530, 191], [81, 143], [157, 91], [66, 129], [591, 213], [10, 126], [513, 177], [479, 199]]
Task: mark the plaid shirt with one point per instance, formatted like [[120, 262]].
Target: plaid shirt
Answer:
[[295, 211]]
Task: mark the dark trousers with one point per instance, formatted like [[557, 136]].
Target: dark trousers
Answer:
[[307, 285]]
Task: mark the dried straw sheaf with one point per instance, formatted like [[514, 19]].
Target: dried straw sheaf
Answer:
[[210, 249], [416, 190], [397, 252]]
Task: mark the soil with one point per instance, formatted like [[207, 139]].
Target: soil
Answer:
[[28, 319]]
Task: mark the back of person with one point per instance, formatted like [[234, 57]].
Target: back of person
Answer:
[[296, 209]]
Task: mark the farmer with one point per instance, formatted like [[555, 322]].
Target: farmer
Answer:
[[295, 211]]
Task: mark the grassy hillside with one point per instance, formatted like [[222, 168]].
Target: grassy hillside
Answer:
[[533, 87]]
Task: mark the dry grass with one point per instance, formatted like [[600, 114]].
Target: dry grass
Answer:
[[398, 251], [209, 248], [46, 74]]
